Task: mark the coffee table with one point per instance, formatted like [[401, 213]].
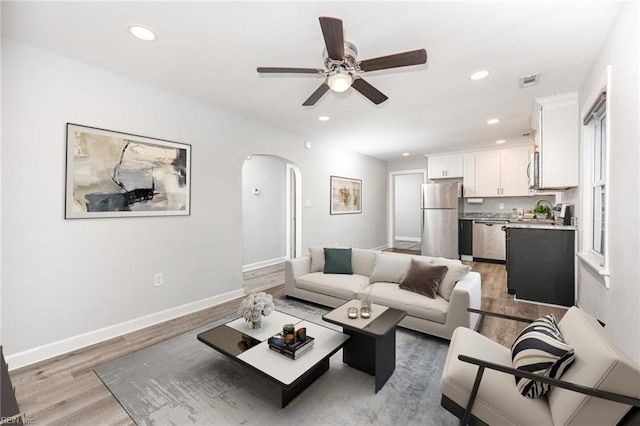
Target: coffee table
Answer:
[[372, 347], [237, 340]]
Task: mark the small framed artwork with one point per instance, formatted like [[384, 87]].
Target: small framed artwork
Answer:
[[346, 195], [115, 174]]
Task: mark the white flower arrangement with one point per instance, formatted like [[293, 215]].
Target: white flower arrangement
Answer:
[[256, 305]]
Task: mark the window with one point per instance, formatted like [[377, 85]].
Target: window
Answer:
[[593, 252], [598, 127]]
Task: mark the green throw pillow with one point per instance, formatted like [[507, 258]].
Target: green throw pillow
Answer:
[[337, 261]]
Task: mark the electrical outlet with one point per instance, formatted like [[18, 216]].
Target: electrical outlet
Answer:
[[158, 279], [501, 206]]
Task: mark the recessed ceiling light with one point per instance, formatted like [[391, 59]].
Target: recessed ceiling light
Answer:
[[142, 33], [479, 75], [406, 154], [501, 141], [493, 121], [324, 118]]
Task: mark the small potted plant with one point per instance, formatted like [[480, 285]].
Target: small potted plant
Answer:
[[541, 211], [288, 329]]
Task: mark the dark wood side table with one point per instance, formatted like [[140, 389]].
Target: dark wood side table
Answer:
[[372, 347]]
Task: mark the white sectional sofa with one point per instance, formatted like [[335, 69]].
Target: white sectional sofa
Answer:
[[379, 275]]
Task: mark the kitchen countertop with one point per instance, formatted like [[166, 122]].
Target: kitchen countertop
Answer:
[[513, 222], [485, 216], [539, 224]]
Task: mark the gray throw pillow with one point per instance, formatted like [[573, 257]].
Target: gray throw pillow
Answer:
[[337, 261], [423, 278], [456, 272]]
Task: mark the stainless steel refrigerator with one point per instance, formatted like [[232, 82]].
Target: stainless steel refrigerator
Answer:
[[440, 203]]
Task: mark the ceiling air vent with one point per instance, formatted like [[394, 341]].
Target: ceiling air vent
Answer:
[[529, 80]]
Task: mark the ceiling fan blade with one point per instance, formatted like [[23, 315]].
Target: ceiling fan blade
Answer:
[[414, 57], [333, 37], [370, 92], [315, 96], [281, 70]]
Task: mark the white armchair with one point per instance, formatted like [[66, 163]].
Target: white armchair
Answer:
[[601, 387]]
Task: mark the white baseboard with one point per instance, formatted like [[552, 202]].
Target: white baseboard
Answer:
[[263, 264], [411, 239], [73, 343]]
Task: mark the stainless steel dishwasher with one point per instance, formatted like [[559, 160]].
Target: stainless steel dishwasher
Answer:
[[489, 240]]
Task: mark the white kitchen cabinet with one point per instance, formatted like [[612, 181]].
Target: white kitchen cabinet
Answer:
[[469, 176], [514, 164], [502, 173], [487, 174], [446, 166], [557, 124]]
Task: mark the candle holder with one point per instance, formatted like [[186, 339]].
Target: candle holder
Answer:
[[352, 313], [365, 312]]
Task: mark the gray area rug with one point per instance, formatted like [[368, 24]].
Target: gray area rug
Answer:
[[181, 381]]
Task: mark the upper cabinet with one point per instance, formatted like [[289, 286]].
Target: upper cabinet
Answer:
[[502, 173], [446, 166], [469, 176], [556, 120]]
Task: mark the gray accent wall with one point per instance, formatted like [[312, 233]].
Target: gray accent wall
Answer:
[[70, 283]]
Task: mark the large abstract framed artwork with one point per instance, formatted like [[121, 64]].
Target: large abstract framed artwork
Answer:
[[346, 195], [113, 174]]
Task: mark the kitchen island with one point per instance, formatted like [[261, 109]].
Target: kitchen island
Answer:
[[541, 262]]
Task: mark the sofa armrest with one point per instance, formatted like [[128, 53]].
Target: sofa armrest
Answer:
[[294, 268], [482, 364], [466, 294]]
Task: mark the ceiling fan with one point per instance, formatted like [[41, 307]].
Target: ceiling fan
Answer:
[[342, 69]]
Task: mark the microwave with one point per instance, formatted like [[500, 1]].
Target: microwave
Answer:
[[533, 170]]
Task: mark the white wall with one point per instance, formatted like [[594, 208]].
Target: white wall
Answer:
[[407, 206], [618, 306], [67, 283], [263, 213]]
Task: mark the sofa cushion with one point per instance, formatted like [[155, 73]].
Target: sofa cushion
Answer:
[[599, 363], [498, 401], [362, 261], [337, 261], [342, 286], [390, 269], [416, 305], [423, 278], [317, 258], [540, 348], [456, 272]]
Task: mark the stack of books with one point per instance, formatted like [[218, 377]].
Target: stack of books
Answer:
[[292, 350]]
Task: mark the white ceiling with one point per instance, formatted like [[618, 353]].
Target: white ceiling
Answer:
[[210, 50]]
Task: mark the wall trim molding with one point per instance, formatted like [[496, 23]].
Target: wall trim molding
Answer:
[[50, 350], [263, 263], [411, 239]]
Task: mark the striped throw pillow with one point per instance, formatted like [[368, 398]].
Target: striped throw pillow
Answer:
[[540, 349]]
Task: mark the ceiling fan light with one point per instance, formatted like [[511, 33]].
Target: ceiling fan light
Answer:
[[339, 82]]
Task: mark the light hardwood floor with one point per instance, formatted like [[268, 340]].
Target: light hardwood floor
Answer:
[[66, 391]]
